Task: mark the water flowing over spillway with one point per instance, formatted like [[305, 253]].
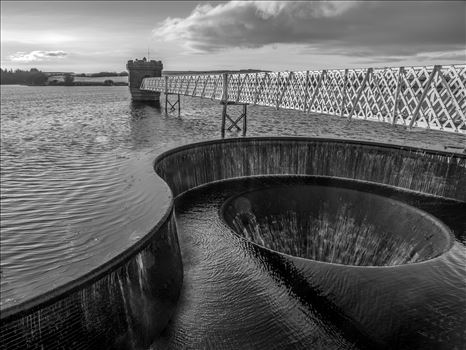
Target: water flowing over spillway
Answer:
[[337, 225], [394, 280], [279, 243], [238, 294]]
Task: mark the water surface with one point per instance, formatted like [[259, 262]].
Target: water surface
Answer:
[[76, 166], [237, 295]]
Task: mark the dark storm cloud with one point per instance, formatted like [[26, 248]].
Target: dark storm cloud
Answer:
[[394, 28]]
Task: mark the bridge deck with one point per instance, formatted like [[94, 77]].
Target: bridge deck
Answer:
[[428, 97]]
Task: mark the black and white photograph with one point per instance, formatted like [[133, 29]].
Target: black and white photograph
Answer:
[[233, 175]]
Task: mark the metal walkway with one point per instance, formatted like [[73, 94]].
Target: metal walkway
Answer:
[[428, 97]]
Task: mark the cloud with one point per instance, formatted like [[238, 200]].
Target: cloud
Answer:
[[36, 37], [35, 56], [391, 28], [454, 57]]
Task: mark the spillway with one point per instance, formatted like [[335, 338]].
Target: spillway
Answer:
[[336, 225], [302, 243], [277, 243]]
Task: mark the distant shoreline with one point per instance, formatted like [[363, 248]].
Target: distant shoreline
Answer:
[[91, 83], [194, 72], [79, 83], [35, 77]]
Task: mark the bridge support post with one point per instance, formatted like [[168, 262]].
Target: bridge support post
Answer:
[[138, 70], [234, 123], [172, 105]]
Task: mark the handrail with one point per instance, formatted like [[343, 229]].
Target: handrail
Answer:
[[432, 97]]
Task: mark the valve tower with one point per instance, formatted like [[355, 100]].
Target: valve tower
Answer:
[[138, 70]]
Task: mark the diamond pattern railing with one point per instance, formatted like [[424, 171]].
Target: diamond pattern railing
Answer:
[[428, 97]]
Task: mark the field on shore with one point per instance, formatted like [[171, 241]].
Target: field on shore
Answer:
[[116, 79]]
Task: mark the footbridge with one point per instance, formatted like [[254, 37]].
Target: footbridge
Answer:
[[432, 97]]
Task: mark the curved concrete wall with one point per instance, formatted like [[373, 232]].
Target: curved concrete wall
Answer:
[[123, 304], [376, 302], [336, 225], [430, 172], [127, 301]]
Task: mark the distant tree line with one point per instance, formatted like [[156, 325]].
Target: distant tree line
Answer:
[[31, 77], [36, 77], [68, 80], [103, 74]]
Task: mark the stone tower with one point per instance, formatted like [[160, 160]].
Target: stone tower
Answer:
[[138, 70]]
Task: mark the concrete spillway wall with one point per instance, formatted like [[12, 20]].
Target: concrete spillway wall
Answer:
[[437, 173], [404, 305], [126, 302], [122, 304]]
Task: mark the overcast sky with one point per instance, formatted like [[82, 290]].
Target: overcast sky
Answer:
[[93, 36]]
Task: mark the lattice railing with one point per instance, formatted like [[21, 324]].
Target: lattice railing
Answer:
[[428, 97]]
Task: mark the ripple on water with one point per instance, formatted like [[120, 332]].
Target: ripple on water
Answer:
[[71, 164], [235, 295], [70, 214]]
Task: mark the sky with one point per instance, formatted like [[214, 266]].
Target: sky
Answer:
[[95, 36]]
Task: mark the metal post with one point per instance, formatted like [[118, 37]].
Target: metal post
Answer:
[[278, 91], [256, 88], [179, 105], [245, 110], [423, 96], [166, 94], [401, 72], [306, 93], [195, 86], [224, 101], [205, 85], [215, 89], [343, 102], [225, 87], [224, 116]]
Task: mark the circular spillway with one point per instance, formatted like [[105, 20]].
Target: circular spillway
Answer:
[[336, 225]]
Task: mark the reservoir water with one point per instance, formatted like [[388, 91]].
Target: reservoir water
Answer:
[[76, 163]]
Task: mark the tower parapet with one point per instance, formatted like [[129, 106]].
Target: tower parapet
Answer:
[[138, 70]]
